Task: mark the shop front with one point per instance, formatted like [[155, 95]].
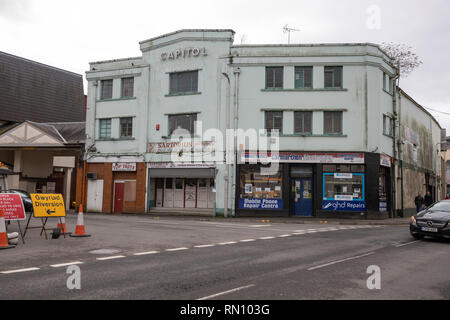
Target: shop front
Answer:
[[313, 185], [181, 186]]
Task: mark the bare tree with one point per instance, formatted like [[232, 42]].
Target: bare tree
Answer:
[[403, 57]]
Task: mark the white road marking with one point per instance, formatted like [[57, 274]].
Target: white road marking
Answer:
[[339, 261], [405, 244], [266, 238], [65, 264], [205, 246], [260, 225], [284, 236], [177, 249], [313, 231], [248, 240], [299, 233], [19, 270], [145, 253], [226, 292], [226, 243], [110, 258]]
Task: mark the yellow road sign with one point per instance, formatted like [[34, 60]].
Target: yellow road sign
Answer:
[[48, 205]]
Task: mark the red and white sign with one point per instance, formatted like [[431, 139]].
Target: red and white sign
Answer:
[[12, 206], [121, 166]]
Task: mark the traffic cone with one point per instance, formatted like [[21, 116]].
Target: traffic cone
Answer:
[[62, 226], [3, 235], [79, 230]]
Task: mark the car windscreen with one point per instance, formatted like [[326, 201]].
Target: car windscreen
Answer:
[[441, 206]]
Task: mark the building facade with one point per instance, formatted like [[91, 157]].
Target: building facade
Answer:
[[335, 108], [42, 128]]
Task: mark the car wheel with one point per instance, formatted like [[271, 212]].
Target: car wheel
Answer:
[[418, 236]]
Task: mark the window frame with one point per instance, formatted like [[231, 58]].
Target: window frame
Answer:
[[303, 113], [102, 86], [122, 95], [334, 78], [274, 82], [269, 131], [128, 128], [177, 90], [192, 123], [341, 119], [108, 130], [304, 77]]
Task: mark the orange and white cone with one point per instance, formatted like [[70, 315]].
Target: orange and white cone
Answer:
[[62, 226], [79, 230], [3, 234]]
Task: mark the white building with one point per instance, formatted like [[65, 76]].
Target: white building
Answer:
[[333, 104]]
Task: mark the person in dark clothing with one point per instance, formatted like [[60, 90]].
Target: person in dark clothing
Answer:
[[428, 199], [419, 202]]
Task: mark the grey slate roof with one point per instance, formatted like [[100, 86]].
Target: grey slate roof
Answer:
[[33, 91], [66, 132]]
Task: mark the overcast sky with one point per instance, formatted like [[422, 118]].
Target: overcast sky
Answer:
[[68, 34]]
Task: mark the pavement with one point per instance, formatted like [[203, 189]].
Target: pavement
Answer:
[[188, 258]]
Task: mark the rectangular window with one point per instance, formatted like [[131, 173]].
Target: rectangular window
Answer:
[[105, 129], [255, 185], [332, 122], [333, 77], [388, 125], [106, 89], [303, 122], [274, 77], [127, 87], [391, 85], [303, 77], [182, 121], [343, 186], [126, 127], [384, 81], [184, 82], [274, 121]]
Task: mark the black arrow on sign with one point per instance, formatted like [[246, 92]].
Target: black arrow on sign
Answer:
[[50, 211]]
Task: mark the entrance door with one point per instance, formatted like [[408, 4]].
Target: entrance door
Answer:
[[95, 196], [202, 195], [190, 193], [168, 193], [159, 192], [119, 191], [302, 197], [179, 194]]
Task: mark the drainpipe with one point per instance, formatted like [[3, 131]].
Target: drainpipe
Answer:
[[227, 165], [394, 146], [237, 72], [400, 144]]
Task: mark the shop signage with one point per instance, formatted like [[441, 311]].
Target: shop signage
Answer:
[[337, 205], [121, 166], [385, 161], [261, 204], [48, 205], [12, 206], [183, 53], [174, 165], [168, 147], [294, 157], [343, 175]]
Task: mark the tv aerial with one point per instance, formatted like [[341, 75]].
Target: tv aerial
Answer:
[[288, 30]]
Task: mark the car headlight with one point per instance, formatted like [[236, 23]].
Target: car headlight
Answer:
[[413, 220]]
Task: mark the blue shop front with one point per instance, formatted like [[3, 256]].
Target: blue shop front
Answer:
[[312, 184]]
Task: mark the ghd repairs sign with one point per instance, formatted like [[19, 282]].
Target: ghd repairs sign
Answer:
[[183, 53]]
